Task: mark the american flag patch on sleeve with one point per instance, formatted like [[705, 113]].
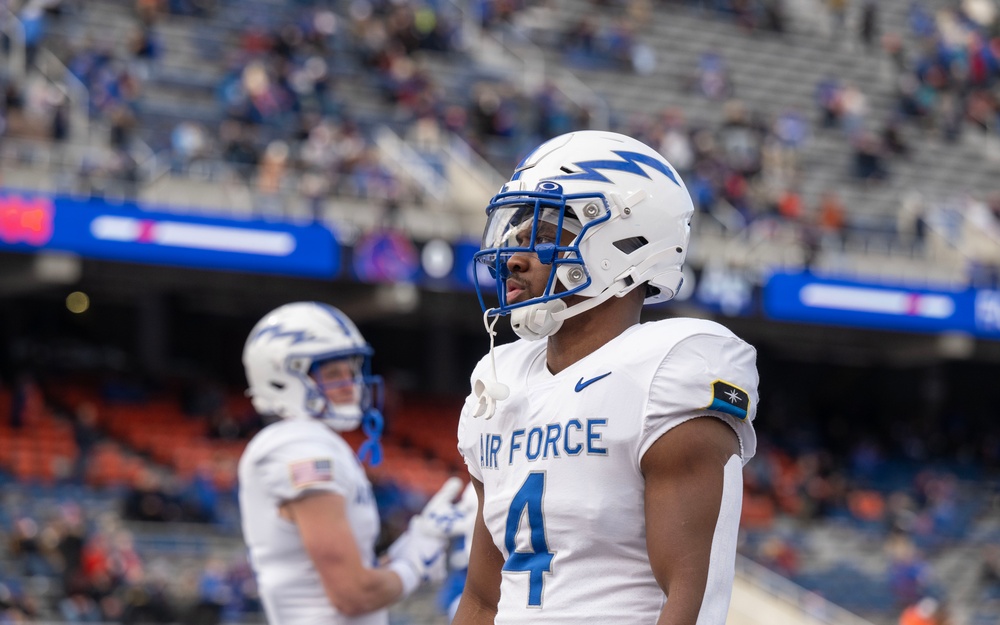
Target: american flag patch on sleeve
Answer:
[[306, 472]]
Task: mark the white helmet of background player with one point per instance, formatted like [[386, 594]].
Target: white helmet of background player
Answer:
[[282, 353], [625, 208]]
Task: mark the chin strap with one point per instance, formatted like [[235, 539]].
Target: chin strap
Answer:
[[489, 392], [370, 451], [544, 319], [538, 320]]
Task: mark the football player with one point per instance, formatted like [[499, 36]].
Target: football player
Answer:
[[607, 453], [308, 513]]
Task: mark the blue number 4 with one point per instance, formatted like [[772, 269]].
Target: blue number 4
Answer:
[[539, 559]]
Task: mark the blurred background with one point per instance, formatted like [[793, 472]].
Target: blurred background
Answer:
[[170, 170]]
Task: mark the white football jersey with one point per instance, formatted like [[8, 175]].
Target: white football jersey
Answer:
[[559, 462], [282, 462]]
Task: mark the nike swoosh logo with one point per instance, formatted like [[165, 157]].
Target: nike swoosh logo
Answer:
[[429, 561], [582, 385]]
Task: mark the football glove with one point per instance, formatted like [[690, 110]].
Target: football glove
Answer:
[[418, 554], [442, 517]]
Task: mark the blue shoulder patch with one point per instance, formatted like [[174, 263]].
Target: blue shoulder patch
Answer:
[[729, 399]]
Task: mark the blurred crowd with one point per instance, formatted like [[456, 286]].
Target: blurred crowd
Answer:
[[898, 513], [911, 488], [891, 491], [288, 121], [84, 567]]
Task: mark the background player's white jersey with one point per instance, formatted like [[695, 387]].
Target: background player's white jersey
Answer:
[[560, 463], [282, 462]]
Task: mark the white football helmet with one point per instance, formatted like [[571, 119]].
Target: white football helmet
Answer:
[[625, 208], [284, 349]]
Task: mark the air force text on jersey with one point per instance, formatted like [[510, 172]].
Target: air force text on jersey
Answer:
[[554, 440]]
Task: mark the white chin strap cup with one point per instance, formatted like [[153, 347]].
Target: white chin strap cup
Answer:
[[538, 320], [343, 418], [488, 393]]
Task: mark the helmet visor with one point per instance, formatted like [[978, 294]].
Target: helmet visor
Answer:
[[514, 227]]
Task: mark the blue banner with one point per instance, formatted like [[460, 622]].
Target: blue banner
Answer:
[[95, 229], [806, 298], [465, 270]]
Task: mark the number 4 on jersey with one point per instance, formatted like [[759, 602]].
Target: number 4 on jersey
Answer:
[[539, 559]]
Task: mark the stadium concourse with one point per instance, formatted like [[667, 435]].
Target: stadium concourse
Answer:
[[856, 140]]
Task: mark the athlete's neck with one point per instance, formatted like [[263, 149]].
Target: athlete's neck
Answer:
[[584, 334]]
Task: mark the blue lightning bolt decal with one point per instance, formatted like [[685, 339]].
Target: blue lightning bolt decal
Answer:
[[630, 163], [277, 332]]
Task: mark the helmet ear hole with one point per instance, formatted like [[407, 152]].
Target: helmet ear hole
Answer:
[[627, 246]]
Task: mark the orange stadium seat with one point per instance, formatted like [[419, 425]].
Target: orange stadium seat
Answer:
[[758, 512]]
